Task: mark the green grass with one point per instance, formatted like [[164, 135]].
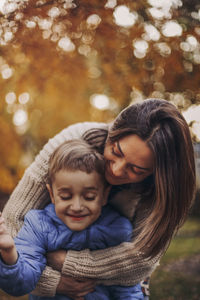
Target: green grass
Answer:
[[167, 283], [174, 286]]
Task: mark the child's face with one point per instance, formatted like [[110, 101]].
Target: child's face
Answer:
[[78, 197]]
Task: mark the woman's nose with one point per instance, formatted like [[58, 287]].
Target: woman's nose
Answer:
[[118, 168]]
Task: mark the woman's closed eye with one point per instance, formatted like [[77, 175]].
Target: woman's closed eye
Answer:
[[115, 151], [137, 170]]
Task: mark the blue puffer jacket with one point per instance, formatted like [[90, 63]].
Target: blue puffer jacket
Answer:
[[43, 231]]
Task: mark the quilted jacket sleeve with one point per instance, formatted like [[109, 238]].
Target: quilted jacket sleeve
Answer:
[[21, 278]]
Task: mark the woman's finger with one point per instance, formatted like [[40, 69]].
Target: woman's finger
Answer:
[[85, 285], [81, 294], [72, 287]]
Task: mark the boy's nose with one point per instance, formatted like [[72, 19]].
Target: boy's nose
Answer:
[[76, 204]]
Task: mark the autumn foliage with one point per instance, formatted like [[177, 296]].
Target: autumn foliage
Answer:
[[61, 53]]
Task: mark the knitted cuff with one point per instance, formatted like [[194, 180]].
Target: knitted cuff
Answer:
[[47, 285], [69, 264], [73, 259]]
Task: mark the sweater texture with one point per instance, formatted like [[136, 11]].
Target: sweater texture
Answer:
[[118, 265]]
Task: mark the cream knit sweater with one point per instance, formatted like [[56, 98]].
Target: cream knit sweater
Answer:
[[116, 265]]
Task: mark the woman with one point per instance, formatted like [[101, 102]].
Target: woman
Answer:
[[150, 165]]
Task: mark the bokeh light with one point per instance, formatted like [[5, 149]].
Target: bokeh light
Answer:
[[171, 29], [66, 44], [140, 48], [24, 98], [100, 101], [192, 115], [93, 21], [123, 17], [111, 3], [10, 98], [151, 33], [6, 71], [163, 8], [20, 117]]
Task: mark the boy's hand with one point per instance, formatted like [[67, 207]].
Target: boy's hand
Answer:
[[6, 241], [7, 245]]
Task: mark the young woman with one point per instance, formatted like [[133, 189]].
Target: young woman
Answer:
[[150, 165]]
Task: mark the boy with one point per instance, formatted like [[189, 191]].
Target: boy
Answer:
[[74, 220]]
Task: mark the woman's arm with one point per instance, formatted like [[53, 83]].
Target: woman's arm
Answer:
[[119, 265], [112, 266], [65, 285]]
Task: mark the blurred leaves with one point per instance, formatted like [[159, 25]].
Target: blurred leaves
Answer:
[[63, 52], [10, 152]]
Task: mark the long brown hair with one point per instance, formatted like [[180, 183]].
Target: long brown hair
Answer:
[[168, 193]]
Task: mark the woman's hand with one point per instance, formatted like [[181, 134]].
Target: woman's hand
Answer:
[[75, 288], [56, 259], [69, 286]]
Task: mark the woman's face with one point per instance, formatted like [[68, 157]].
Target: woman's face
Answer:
[[128, 160]]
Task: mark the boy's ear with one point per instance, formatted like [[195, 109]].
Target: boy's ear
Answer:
[[106, 193], [50, 192]]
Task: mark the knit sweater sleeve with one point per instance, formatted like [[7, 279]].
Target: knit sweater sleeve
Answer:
[[31, 193], [119, 265]]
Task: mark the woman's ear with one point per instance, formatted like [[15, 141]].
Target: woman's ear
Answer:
[[49, 188]]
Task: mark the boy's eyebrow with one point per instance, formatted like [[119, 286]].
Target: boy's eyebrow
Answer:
[[91, 188], [133, 165], [63, 189]]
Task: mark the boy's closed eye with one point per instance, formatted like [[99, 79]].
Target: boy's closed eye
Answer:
[[67, 196], [90, 196]]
